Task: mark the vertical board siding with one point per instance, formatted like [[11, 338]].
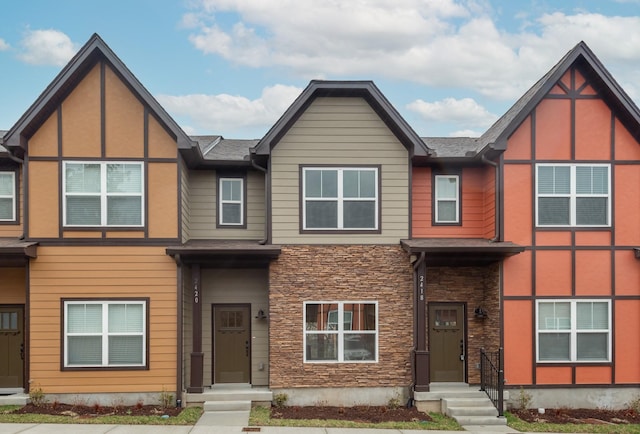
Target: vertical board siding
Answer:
[[339, 131], [203, 204], [239, 287], [98, 273]]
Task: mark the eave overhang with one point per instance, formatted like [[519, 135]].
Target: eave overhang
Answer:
[[365, 89], [224, 253], [93, 51], [16, 253], [458, 252]]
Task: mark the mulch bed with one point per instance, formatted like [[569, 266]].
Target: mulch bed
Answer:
[[85, 411], [367, 414], [579, 415]]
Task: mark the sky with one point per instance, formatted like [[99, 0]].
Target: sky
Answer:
[[232, 67]]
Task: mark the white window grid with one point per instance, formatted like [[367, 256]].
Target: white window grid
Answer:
[[573, 195], [340, 199], [339, 331], [105, 332], [569, 326], [103, 194], [455, 199], [11, 196], [223, 201]]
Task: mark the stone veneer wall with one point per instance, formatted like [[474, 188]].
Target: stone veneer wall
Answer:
[[379, 273], [477, 286]]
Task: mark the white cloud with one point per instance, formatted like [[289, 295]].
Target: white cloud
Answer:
[[4, 45], [445, 43], [47, 47], [226, 114], [464, 112]]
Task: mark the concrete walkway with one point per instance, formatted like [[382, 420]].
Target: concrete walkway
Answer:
[[27, 428]]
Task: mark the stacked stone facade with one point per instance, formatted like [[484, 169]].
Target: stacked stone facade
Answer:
[[379, 273], [475, 286]]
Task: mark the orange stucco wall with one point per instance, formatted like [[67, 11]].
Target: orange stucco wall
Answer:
[[567, 262]]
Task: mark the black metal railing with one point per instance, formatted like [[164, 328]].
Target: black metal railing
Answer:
[[492, 377]]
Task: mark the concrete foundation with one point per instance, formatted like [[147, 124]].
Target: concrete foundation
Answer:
[[577, 397], [347, 396], [107, 399]]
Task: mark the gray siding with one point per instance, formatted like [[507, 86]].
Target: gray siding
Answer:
[[203, 202], [242, 287], [339, 131]]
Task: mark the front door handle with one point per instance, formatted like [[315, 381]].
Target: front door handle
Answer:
[[246, 348], [462, 350], [22, 351]]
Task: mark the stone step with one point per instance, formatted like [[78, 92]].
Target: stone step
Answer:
[[480, 420], [227, 406]]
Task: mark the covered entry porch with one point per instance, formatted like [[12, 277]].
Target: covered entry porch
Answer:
[[457, 308], [224, 314]]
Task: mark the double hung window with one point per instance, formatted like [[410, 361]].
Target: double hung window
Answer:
[[7, 196], [105, 333], [574, 331], [573, 195], [340, 331], [103, 194], [447, 201], [231, 201], [340, 198]]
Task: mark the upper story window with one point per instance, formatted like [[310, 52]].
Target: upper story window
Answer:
[[573, 195], [7, 196], [574, 330], [100, 333], [447, 199], [231, 201], [340, 331], [103, 194], [344, 198]]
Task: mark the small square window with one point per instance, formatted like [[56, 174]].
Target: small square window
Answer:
[[7, 196]]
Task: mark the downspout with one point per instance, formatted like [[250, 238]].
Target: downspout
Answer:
[[484, 159], [267, 214]]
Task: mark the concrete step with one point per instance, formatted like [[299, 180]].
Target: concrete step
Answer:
[[481, 420], [227, 406], [15, 399], [480, 401], [211, 419], [472, 411]]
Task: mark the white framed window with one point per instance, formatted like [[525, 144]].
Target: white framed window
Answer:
[[103, 194], [231, 201], [447, 200], [573, 195], [105, 333], [573, 331], [7, 196], [355, 338], [343, 198]]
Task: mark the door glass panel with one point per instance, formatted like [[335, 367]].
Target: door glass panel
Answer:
[[446, 318]]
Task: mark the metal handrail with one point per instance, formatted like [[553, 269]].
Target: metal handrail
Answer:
[[492, 377]]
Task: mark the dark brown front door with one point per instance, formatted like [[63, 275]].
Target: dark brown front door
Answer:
[[11, 346], [446, 342], [231, 344]]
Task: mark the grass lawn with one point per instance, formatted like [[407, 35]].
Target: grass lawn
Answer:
[[523, 426], [188, 416]]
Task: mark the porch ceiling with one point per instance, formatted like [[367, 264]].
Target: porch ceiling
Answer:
[[224, 253], [15, 252], [461, 251]]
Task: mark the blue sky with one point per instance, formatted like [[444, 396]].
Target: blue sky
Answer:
[[232, 67]]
